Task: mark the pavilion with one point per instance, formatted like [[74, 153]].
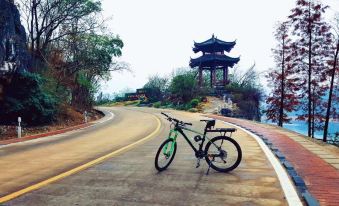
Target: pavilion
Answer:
[[214, 58]]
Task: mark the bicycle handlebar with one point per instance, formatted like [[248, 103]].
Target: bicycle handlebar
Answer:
[[165, 114], [175, 120], [205, 120]]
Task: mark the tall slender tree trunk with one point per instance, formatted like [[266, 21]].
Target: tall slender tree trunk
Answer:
[[32, 29], [330, 94], [281, 109], [37, 40], [313, 113], [309, 119]]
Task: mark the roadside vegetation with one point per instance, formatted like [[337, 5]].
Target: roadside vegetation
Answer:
[[70, 51], [180, 91]]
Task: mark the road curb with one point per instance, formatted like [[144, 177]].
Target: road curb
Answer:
[[56, 132], [291, 193], [36, 136], [298, 181]]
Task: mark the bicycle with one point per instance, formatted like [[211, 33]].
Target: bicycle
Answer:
[[223, 157]]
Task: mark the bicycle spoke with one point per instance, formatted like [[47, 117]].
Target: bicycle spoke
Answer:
[[223, 160], [223, 154], [222, 141]]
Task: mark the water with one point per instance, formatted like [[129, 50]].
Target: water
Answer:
[[301, 127]]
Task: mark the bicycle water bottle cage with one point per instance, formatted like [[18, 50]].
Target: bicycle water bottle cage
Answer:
[[210, 124]]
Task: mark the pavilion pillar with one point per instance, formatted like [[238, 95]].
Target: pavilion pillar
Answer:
[[212, 77], [225, 75], [200, 77]]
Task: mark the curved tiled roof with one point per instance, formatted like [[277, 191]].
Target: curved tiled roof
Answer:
[[211, 60], [213, 45]]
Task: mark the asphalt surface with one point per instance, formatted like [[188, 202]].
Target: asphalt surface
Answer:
[[130, 178], [26, 163]]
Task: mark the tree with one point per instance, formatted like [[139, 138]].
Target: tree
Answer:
[[46, 20], [93, 61], [334, 63], [157, 87], [312, 40], [246, 93], [283, 97], [183, 86]]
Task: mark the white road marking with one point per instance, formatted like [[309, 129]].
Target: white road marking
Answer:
[[286, 184]]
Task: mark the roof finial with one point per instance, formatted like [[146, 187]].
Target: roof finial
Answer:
[[213, 36]]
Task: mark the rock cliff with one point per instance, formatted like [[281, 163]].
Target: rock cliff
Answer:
[[13, 48]]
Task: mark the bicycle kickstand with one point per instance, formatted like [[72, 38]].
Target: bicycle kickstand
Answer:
[[198, 163], [209, 166]]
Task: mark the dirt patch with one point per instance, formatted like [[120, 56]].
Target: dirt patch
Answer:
[[68, 117], [211, 105]]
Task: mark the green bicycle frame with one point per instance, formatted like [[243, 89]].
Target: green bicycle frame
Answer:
[[173, 134]]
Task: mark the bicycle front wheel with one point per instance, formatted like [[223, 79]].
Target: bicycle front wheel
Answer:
[[165, 154], [223, 154]]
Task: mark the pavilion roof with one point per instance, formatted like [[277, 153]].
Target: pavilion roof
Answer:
[[213, 45], [214, 60]]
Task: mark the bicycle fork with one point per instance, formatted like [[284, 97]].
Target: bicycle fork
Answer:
[[172, 135]]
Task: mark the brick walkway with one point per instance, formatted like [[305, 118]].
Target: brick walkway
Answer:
[[317, 166]]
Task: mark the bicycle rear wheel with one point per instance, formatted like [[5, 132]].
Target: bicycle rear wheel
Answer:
[[165, 154], [223, 153]]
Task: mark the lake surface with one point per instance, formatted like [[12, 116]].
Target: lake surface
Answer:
[[301, 127]]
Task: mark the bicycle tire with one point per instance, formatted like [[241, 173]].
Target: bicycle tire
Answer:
[[228, 140], [156, 163]]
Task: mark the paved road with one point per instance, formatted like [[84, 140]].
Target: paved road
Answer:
[[29, 162], [130, 178]]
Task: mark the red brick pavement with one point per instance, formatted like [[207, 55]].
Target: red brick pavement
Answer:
[[321, 178], [26, 138]]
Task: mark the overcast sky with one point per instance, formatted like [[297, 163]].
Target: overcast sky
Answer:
[[158, 34]]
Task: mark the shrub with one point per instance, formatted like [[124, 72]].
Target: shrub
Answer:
[[157, 104], [183, 86], [129, 103], [194, 102], [25, 97]]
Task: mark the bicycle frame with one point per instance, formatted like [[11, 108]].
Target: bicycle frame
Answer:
[[172, 135], [179, 129], [200, 148]]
